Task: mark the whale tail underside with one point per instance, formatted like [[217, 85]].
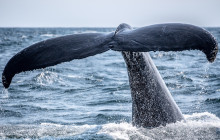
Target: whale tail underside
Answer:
[[161, 37], [54, 51]]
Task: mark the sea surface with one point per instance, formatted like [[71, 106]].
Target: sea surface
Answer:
[[90, 98]]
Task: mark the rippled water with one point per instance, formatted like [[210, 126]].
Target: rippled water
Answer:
[[90, 98]]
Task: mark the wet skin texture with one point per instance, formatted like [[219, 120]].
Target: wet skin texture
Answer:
[[152, 103]]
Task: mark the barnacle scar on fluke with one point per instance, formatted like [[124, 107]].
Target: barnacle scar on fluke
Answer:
[[152, 103]]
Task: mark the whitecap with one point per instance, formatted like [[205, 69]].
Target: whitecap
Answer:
[[47, 35], [47, 77], [196, 126]]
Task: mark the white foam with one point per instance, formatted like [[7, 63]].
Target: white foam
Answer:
[[23, 36], [5, 93], [122, 131], [196, 126], [48, 35], [47, 77]]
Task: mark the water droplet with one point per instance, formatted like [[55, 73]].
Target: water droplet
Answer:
[[5, 93]]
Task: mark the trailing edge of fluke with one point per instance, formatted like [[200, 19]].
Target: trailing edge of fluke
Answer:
[[160, 37]]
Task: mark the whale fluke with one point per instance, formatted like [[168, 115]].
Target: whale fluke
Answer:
[[166, 37], [161, 37], [54, 51]]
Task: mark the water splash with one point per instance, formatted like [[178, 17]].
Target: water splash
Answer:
[[4, 93], [196, 126], [48, 78]]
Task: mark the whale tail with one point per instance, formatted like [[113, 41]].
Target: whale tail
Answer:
[[54, 51], [165, 37], [161, 37]]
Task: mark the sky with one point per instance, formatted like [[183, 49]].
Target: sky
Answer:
[[107, 13]]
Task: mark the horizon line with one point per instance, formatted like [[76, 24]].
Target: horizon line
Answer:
[[81, 27], [55, 27]]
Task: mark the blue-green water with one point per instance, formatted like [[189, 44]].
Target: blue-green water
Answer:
[[90, 98]]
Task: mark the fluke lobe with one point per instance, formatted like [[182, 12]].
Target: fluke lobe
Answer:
[[152, 103]]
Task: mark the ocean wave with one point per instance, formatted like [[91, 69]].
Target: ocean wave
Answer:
[[57, 102], [9, 113], [196, 126], [48, 35], [213, 100], [108, 102]]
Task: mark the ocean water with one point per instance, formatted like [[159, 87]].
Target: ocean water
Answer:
[[90, 98]]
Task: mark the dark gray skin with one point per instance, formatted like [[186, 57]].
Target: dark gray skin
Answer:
[[152, 103]]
